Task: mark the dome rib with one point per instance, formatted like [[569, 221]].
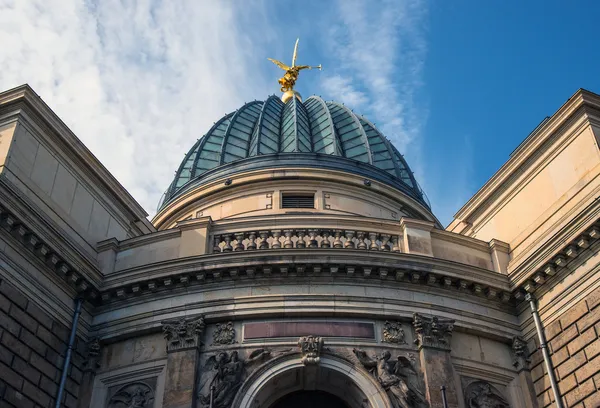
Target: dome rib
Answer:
[[350, 133], [236, 142], [321, 127], [286, 131]]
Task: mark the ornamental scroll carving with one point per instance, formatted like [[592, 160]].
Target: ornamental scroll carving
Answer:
[[183, 333], [393, 333], [224, 374], [481, 394], [393, 376], [224, 334], [310, 347], [133, 395], [521, 353], [433, 331]]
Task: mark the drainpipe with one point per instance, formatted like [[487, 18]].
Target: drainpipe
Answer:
[[444, 402], [65, 369], [543, 346]]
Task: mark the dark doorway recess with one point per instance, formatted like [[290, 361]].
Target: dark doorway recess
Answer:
[[309, 399]]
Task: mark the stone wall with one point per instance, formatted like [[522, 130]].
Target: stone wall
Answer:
[[32, 351], [575, 346]]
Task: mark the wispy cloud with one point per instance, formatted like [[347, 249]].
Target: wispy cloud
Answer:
[[138, 82], [380, 52]]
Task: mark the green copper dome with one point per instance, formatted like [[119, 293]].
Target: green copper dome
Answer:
[[289, 132]]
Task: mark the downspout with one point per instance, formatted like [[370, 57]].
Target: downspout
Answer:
[[543, 346], [65, 369]]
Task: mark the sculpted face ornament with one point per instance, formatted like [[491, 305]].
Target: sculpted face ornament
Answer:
[[393, 374], [521, 352], [433, 331], [393, 333], [224, 334], [310, 347]]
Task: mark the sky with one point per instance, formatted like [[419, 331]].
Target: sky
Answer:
[[455, 85]]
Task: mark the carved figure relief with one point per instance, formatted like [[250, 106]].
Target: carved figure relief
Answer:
[[134, 395], [92, 361], [224, 333], [227, 372], [310, 347], [433, 331], [393, 333], [393, 376], [481, 394], [183, 333]]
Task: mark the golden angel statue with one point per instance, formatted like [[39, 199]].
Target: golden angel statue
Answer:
[[288, 80]]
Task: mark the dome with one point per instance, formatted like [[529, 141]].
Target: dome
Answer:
[[313, 133]]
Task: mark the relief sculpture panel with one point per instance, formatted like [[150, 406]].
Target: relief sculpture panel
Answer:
[[138, 394]]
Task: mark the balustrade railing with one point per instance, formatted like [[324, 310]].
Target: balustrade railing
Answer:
[[305, 238]]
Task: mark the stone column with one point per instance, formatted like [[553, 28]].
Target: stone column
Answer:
[[433, 338], [183, 342], [524, 382], [90, 366]]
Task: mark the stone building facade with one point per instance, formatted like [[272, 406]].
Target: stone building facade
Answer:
[[293, 261]]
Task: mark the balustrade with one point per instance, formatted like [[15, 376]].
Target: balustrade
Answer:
[[305, 238]]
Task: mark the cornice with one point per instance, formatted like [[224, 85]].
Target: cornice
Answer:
[[574, 109], [277, 264], [23, 98], [71, 273]]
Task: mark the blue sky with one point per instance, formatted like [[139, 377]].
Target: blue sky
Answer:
[[456, 85]]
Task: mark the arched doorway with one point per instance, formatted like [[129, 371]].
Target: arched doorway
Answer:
[[333, 380], [312, 399]]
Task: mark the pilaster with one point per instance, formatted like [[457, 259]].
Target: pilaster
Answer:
[[195, 236], [500, 253], [433, 338], [183, 338], [90, 366]]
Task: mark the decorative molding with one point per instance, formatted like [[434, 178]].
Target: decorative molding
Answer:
[[433, 331], [310, 347], [481, 394], [92, 359], [134, 395], [52, 258], [521, 353], [224, 334], [393, 333], [183, 333]]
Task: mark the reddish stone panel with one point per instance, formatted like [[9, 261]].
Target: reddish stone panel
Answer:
[[262, 330]]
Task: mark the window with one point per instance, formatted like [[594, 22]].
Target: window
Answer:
[[297, 200]]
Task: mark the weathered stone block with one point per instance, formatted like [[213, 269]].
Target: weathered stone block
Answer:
[[13, 294], [4, 303], [567, 384], [580, 393], [571, 364], [560, 356], [592, 401], [32, 341], [16, 346], [552, 330], [588, 320], [26, 370], [39, 315], [180, 379], [564, 338], [541, 385], [592, 350], [545, 399], [45, 367], [17, 399], [36, 394], [581, 341], [538, 371], [574, 314], [593, 299], [24, 319], [6, 356], [51, 340], [588, 370], [11, 377]]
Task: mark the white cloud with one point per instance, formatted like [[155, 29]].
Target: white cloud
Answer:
[[380, 52], [139, 81]]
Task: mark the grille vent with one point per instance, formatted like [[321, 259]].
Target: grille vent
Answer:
[[298, 201]]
